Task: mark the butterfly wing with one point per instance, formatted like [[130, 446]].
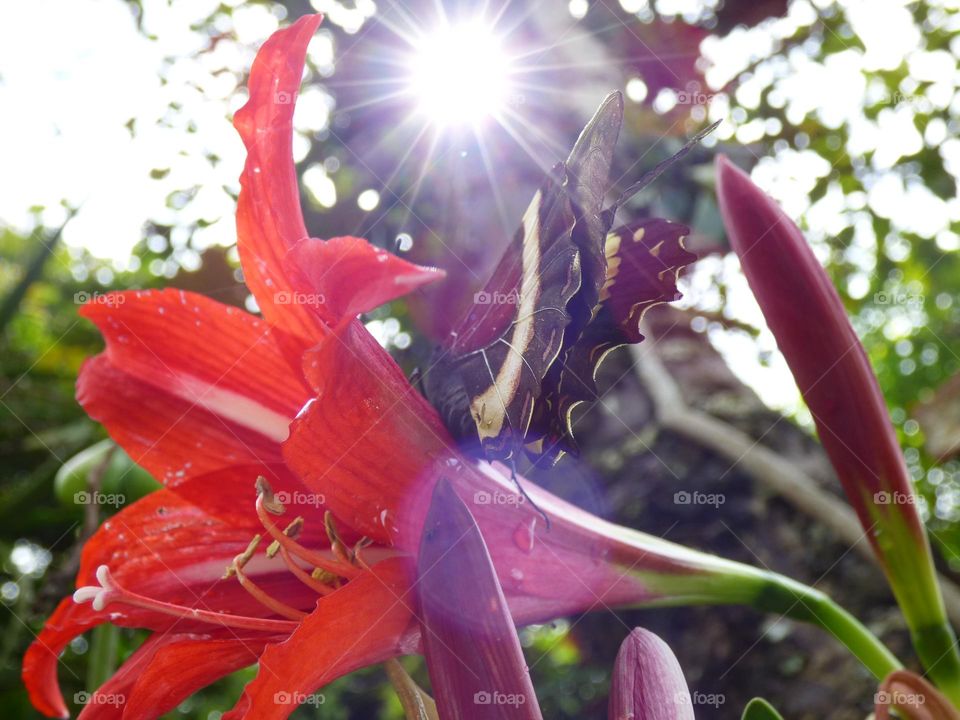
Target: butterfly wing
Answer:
[[486, 378], [643, 261]]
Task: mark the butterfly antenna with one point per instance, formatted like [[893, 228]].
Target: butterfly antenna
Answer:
[[516, 481], [416, 379], [661, 167]]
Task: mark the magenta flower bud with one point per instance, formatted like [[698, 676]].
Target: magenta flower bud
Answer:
[[830, 366], [647, 682]]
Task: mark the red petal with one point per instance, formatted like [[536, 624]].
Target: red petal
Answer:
[[186, 412], [380, 438], [168, 549], [179, 669], [39, 671], [367, 621], [648, 682], [269, 219], [469, 639], [345, 276], [300, 283]]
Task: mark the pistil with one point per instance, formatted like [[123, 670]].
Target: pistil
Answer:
[[109, 591]]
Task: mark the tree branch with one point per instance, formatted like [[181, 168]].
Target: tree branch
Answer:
[[764, 465]]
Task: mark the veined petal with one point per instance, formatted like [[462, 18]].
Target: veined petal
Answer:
[[204, 421], [180, 668], [269, 218], [344, 276], [648, 683], [164, 670], [214, 356], [39, 672], [369, 620], [301, 284], [380, 441], [469, 639], [167, 549]]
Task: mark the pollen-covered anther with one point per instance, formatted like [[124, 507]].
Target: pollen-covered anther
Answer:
[[243, 558], [291, 531], [270, 502], [340, 550], [341, 566], [101, 594]]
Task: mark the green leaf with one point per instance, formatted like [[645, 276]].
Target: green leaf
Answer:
[[760, 709]]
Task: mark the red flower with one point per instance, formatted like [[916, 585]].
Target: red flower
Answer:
[[208, 398]]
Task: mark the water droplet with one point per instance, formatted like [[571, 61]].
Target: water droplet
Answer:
[[516, 574], [306, 407], [525, 534]]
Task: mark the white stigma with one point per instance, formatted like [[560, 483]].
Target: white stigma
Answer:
[[99, 594]]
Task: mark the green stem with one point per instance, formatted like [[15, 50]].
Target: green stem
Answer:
[[819, 609], [804, 603], [104, 646], [936, 647], [742, 585]]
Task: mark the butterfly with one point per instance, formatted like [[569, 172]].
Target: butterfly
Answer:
[[566, 292]]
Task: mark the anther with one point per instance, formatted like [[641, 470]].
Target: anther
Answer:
[[338, 568], [243, 558], [270, 502]]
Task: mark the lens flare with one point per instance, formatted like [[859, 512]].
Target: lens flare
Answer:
[[460, 74]]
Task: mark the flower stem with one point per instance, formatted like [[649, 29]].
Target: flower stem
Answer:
[[742, 585], [801, 602], [936, 647]]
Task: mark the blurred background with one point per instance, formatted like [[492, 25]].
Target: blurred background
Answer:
[[426, 126]]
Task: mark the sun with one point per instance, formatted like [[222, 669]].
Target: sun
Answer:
[[460, 74]]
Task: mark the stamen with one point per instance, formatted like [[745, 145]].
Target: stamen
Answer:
[[109, 591], [265, 598], [270, 502], [337, 568], [243, 558], [358, 560], [303, 576], [291, 531], [336, 544]]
